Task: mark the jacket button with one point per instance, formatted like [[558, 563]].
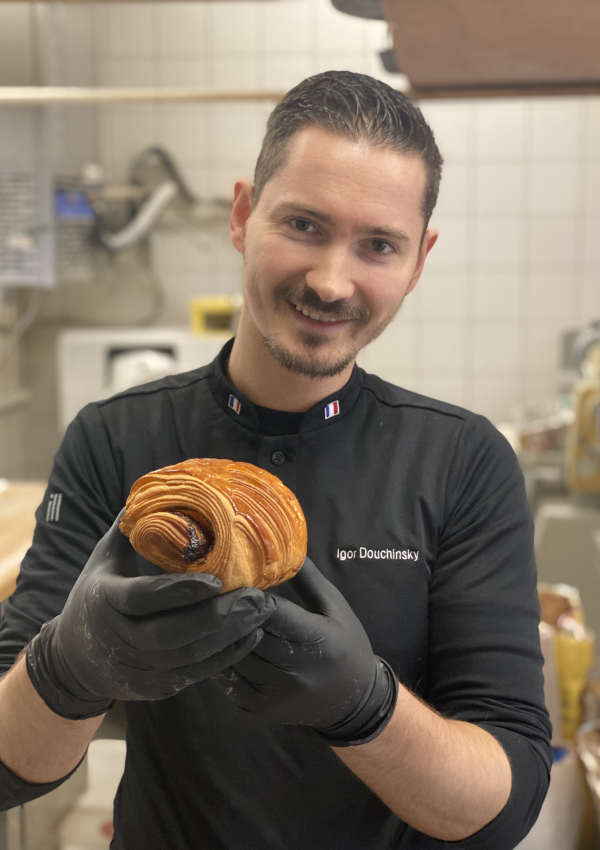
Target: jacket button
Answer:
[[278, 458]]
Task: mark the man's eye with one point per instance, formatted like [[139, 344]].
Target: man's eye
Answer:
[[381, 247], [301, 224]]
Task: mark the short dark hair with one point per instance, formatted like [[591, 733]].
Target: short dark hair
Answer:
[[357, 107]]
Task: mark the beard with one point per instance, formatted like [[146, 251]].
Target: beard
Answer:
[[310, 365]]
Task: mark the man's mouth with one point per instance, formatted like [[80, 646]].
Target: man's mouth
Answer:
[[316, 317]]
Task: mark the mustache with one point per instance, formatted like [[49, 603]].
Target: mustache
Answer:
[[307, 298]]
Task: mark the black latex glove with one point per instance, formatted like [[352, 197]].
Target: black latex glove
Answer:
[[128, 637], [315, 668]]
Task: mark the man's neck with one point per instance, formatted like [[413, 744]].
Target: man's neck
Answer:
[[261, 379]]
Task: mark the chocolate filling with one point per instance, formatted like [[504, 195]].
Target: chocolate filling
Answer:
[[201, 540]]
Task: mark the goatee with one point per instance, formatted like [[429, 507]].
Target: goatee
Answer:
[[302, 365], [312, 366]]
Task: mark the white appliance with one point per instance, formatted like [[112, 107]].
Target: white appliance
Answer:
[[95, 364]]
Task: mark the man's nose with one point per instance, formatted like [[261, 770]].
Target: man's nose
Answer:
[[331, 277]]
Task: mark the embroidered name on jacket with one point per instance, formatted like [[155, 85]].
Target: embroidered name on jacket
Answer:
[[362, 553]]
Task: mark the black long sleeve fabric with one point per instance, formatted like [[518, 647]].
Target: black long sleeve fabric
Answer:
[[85, 485], [416, 512], [486, 544]]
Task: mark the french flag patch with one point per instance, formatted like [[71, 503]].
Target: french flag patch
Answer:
[[234, 404], [332, 409]]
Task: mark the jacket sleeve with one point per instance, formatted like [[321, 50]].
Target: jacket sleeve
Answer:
[[485, 662], [81, 502]]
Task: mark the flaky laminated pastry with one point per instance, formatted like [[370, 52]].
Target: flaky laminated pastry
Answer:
[[230, 519]]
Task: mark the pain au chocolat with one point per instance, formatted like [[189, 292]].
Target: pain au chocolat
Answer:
[[227, 518]]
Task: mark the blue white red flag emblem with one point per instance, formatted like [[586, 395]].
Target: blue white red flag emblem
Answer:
[[332, 409], [234, 404]]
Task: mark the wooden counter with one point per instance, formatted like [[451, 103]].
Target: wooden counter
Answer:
[[18, 501]]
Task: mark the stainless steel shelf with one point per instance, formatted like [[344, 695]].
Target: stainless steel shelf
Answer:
[[42, 95]]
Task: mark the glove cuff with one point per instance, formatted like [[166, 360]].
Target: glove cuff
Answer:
[[371, 716], [49, 677]]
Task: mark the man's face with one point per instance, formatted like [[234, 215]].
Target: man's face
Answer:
[[330, 249]]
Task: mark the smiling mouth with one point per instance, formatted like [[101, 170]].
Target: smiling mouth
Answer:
[[316, 317]]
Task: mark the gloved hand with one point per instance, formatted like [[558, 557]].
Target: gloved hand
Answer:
[[139, 638], [315, 668]]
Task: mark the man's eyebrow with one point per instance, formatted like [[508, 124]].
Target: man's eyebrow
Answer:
[[387, 233], [302, 209], [312, 212]]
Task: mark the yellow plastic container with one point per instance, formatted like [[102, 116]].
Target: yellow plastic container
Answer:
[[574, 642], [215, 314], [575, 656]]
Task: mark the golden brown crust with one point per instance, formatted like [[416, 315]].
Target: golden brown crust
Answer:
[[227, 518]]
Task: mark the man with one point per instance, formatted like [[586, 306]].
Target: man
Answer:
[[391, 694]]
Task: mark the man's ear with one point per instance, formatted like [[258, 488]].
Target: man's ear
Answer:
[[240, 213], [430, 237]]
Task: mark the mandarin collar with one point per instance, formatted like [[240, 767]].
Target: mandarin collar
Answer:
[[243, 412]]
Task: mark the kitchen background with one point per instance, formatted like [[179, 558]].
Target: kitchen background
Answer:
[[517, 262], [516, 269]]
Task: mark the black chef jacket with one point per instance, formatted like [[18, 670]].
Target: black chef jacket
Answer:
[[416, 511]]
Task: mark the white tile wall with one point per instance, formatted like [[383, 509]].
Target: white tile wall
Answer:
[[591, 129], [453, 125], [444, 296], [496, 348], [497, 295], [591, 293], [450, 388], [500, 129], [288, 27], [498, 186], [591, 243], [551, 241], [542, 347], [455, 191], [518, 259], [496, 241], [493, 395], [182, 29], [554, 185], [125, 131], [234, 28], [128, 30], [127, 71], [556, 127], [452, 248], [550, 294], [591, 185], [394, 354], [184, 72], [186, 136], [443, 347]]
